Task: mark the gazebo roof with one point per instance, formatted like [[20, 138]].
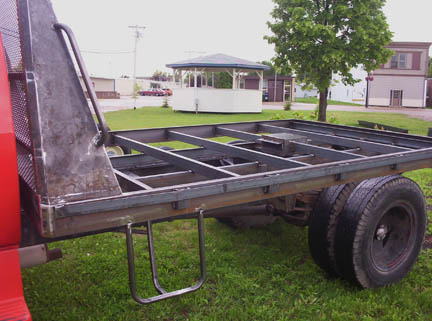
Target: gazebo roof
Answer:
[[218, 61]]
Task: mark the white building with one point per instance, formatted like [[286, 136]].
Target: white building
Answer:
[[347, 93], [338, 91], [196, 95], [402, 81]]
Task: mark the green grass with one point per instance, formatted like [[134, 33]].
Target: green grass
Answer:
[[256, 274], [314, 100]]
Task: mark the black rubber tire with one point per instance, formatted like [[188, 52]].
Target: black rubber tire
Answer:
[[322, 225], [380, 231]]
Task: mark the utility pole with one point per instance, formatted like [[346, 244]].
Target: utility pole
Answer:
[[138, 35]]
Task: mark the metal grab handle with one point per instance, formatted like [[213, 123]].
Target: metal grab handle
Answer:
[[163, 294], [102, 137]]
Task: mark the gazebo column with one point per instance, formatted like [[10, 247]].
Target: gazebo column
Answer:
[[181, 78], [195, 78], [234, 76], [261, 81]]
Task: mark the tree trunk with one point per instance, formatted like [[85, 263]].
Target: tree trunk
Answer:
[[322, 113]]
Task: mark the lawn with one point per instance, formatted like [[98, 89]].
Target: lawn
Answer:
[[314, 100], [257, 274]]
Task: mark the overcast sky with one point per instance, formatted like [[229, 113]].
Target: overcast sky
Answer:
[[174, 28]]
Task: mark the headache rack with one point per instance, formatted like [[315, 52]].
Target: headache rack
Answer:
[[70, 187]]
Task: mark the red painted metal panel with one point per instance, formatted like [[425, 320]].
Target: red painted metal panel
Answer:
[[416, 60], [9, 190], [12, 303], [252, 84], [279, 90]]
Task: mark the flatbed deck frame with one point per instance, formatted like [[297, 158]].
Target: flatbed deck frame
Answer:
[[161, 184]]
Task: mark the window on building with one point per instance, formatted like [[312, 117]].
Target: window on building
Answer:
[[399, 61]]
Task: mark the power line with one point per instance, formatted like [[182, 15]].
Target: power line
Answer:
[[107, 52]]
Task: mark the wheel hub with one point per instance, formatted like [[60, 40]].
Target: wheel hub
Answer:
[[381, 232]]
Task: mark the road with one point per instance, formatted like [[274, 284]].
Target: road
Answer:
[[148, 101]]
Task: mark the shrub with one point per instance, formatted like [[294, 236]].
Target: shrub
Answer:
[[332, 119], [298, 115], [287, 105], [277, 117]]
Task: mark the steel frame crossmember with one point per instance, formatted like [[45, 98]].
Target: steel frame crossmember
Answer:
[[336, 140], [175, 159], [235, 151], [377, 136], [298, 147]]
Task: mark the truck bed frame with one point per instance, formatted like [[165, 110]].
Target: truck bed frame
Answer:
[[70, 187], [161, 185]]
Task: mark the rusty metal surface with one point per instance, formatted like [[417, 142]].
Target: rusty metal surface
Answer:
[[129, 210], [78, 189], [69, 166]]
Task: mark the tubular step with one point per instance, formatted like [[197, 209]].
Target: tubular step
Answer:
[[162, 293]]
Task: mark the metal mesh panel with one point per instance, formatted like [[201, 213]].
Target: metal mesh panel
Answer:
[[11, 41]]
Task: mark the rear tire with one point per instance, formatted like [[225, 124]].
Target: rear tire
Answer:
[[380, 231], [322, 225]]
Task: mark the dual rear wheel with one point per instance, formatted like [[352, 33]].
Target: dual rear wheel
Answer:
[[369, 233]]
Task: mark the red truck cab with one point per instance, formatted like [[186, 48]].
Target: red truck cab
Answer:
[[12, 303]]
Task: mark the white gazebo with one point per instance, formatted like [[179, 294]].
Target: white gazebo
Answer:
[[194, 92]]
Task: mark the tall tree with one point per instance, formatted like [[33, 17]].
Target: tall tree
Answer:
[[318, 38]]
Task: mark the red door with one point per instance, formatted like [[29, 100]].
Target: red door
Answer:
[[275, 95]]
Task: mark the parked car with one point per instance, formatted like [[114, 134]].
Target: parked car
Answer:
[[152, 92], [167, 91]]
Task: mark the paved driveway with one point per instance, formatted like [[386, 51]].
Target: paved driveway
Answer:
[[127, 102], [149, 101]]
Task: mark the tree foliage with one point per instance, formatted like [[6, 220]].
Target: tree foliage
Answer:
[[223, 80], [319, 38], [160, 75]]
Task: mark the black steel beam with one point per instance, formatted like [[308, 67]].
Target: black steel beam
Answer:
[[151, 135], [184, 177], [177, 160], [377, 136], [323, 152], [129, 183], [136, 161], [237, 134], [235, 151], [336, 140], [323, 174], [327, 153]]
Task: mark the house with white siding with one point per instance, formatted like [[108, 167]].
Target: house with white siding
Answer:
[[402, 81]]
